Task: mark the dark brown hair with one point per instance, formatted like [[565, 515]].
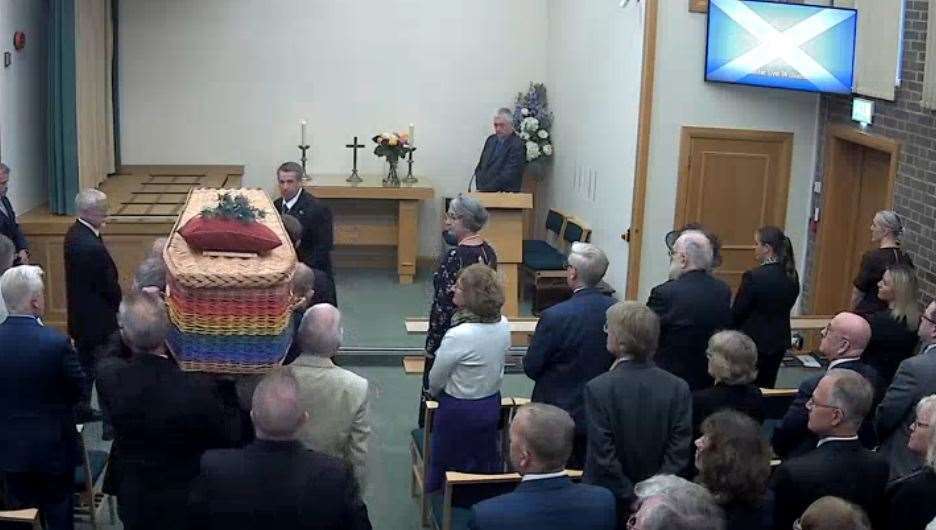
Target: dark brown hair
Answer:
[[735, 465], [774, 238]]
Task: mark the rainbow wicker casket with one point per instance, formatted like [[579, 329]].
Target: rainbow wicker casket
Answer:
[[229, 314]]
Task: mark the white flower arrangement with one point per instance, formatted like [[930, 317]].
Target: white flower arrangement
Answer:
[[532, 150], [533, 122], [548, 149], [524, 136], [542, 133], [530, 125], [525, 111]]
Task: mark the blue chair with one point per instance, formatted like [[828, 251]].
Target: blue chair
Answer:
[[539, 252], [546, 263]]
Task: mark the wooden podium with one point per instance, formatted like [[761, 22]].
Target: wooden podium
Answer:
[[504, 231]]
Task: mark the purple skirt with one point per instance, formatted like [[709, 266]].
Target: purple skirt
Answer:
[[464, 438]]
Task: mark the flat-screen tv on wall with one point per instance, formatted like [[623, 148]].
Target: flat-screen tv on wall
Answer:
[[773, 44]]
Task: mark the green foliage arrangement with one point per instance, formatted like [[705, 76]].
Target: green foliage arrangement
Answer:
[[234, 208]]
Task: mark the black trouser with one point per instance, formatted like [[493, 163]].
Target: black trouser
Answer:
[[424, 392], [768, 366], [50, 492]]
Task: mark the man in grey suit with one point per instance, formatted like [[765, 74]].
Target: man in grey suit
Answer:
[[639, 416], [335, 398], [500, 167], [916, 378]]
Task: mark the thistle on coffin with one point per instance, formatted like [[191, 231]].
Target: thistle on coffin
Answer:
[[234, 208]]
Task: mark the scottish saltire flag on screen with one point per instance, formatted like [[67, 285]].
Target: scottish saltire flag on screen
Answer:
[[791, 46]]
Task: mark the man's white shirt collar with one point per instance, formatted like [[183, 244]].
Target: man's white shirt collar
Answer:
[[542, 476], [837, 439], [292, 202], [90, 227], [837, 362]]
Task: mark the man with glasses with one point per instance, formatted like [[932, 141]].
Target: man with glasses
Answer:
[[916, 378], [839, 465], [569, 347], [843, 341]]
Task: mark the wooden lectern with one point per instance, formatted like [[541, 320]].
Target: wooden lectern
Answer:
[[504, 231]]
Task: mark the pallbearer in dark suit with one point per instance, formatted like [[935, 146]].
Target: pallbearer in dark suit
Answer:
[[318, 237], [692, 306], [91, 285], [839, 465], [276, 482], [164, 420], [765, 297], [540, 444], [500, 167], [569, 347], [8, 225], [40, 384]]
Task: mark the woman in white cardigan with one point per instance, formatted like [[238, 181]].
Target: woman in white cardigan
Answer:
[[466, 379]]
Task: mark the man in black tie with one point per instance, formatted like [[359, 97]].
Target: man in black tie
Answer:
[[8, 225], [92, 292], [315, 217], [501, 165]]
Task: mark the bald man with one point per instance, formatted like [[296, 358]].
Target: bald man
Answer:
[[843, 341], [336, 398], [692, 306], [276, 482]]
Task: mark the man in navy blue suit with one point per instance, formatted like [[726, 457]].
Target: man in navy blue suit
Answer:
[[500, 167], [41, 382], [569, 347], [540, 443], [8, 225]]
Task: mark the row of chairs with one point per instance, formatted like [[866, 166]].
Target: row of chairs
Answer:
[[544, 260], [446, 511], [89, 499]]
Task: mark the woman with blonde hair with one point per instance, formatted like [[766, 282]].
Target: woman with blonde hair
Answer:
[[886, 229], [466, 379], [732, 362], [894, 328]]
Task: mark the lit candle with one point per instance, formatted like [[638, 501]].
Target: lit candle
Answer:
[[412, 134], [302, 127]]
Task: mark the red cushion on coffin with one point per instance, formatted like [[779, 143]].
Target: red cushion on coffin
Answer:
[[228, 236]]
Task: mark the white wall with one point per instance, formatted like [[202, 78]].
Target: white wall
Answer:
[[595, 50], [227, 81], [682, 98], [23, 102]]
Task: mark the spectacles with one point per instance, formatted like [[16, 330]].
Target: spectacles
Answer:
[[917, 424], [812, 403], [928, 319], [632, 522], [605, 328]]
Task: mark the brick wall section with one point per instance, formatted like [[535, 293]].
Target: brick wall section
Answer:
[[905, 120]]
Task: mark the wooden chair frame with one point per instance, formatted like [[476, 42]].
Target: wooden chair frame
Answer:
[[91, 499]]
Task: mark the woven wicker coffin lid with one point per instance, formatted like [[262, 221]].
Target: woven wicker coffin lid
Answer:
[[192, 269]]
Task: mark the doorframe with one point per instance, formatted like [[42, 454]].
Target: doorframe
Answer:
[[842, 133], [687, 134]]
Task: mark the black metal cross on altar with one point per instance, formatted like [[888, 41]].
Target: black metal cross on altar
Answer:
[[354, 174]]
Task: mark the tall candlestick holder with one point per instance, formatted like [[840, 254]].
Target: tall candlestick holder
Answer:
[[305, 174], [410, 178]]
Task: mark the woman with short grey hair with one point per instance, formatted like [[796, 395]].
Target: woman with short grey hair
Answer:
[[732, 362], [910, 498], [886, 229], [465, 217]]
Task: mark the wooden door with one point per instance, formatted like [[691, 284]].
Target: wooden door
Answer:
[[860, 170], [733, 182]]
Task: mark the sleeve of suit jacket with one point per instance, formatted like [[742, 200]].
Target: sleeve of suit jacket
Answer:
[[541, 347], [900, 398], [657, 302], [357, 448], [602, 466], [785, 511], [324, 237], [74, 376], [744, 300], [795, 422], [356, 516], [481, 158], [676, 456], [19, 240]]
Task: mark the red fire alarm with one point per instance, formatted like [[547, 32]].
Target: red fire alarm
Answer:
[[19, 40]]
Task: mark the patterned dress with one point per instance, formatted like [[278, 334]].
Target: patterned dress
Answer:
[[443, 306]]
